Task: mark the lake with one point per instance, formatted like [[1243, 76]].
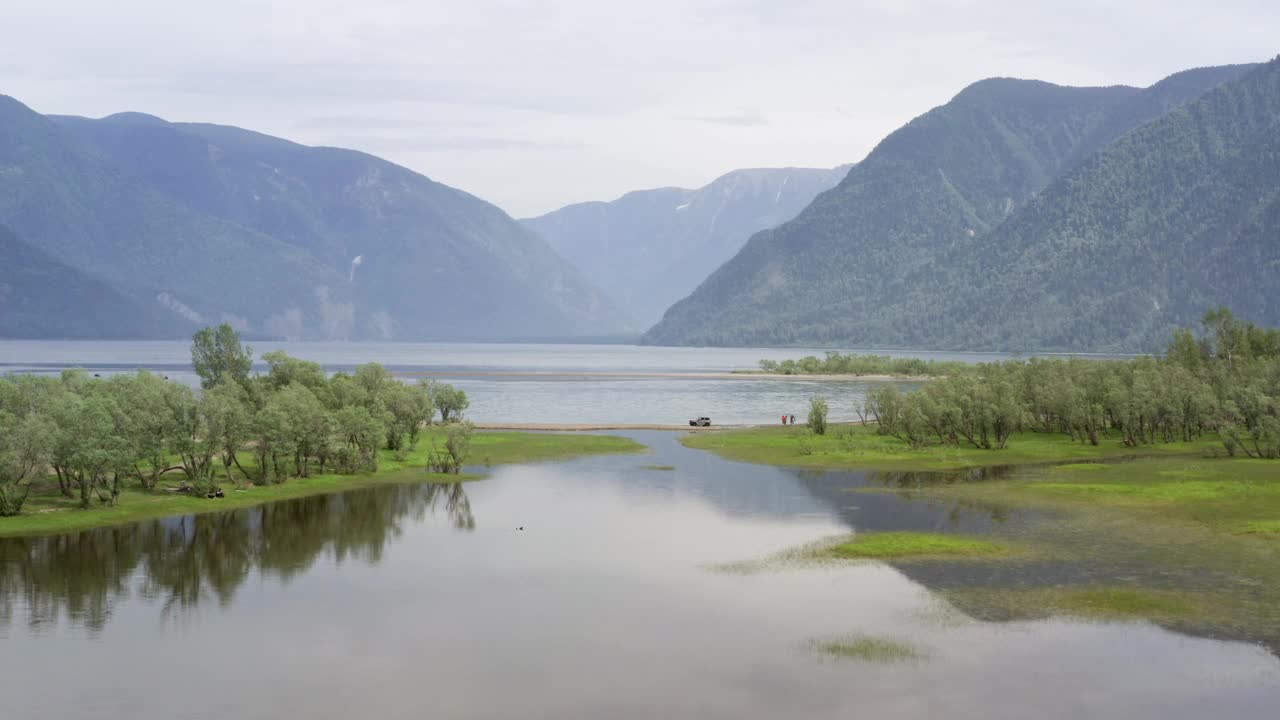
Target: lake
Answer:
[[524, 383], [614, 600]]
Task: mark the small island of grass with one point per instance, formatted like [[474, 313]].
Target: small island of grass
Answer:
[[866, 648], [915, 545]]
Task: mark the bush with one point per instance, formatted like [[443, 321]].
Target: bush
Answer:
[[818, 415]]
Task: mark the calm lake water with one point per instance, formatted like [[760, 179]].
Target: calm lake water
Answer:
[[420, 601], [497, 380]]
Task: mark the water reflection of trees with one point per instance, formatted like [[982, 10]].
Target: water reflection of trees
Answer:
[[181, 562]]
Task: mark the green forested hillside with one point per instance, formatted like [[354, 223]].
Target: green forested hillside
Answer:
[[35, 287], [908, 250], [1180, 215], [215, 223]]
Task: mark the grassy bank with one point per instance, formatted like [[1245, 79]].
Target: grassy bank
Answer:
[[858, 446], [1164, 533], [47, 511], [1237, 498]]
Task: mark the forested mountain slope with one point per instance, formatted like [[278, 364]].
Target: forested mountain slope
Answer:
[[1176, 217], [652, 247], [34, 287], [217, 223], [879, 260]]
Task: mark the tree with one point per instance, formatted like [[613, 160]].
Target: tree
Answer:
[[217, 355], [150, 426], [303, 428], [457, 443], [818, 415], [450, 401], [25, 448], [285, 370], [229, 423], [361, 434], [195, 443], [409, 407]]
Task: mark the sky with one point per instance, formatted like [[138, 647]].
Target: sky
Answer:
[[537, 104]]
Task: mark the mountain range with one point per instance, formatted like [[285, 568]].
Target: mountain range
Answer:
[[651, 248], [1018, 216], [209, 223], [1023, 215]]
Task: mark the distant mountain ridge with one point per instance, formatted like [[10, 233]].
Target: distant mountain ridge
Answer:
[[916, 247], [214, 223], [650, 248]]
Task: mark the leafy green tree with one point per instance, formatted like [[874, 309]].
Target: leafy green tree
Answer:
[[229, 423], [195, 443], [285, 370], [818, 415], [361, 435], [409, 408], [217, 355], [308, 430], [457, 443], [25, 445], [151, 424], [450, 401]]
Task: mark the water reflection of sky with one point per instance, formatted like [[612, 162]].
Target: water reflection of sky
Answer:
[[410, 602]]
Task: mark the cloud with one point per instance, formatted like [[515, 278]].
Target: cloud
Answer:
[[735, 120], [571, 100], [462, 143], [381, 122]]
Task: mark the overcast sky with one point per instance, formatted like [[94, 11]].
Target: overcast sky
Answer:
[[536, 104]]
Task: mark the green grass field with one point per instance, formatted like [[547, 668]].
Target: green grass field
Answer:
[[47, 511], [916, 545], [858, 446]]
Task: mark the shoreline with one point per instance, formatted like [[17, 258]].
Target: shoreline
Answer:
[[622, 375], [590, 427], [48, 513]]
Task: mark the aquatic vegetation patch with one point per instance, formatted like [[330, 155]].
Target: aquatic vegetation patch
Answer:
[[662, 468], [909, 545], [1166, 492], [1097, 603], [1261, 527], [867, 648]]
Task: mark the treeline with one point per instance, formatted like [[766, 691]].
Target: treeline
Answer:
[[1226, 382], [96, 435], [836, 363]]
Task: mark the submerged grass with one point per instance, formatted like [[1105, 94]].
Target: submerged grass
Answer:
[[48, 512], [1226, 495], [859, 446], [663, 468], [867, 648], [1171, 534], [1093, 603], [916, 545]]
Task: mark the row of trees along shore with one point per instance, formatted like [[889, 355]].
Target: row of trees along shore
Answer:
[[95, 435], [1227, 381]]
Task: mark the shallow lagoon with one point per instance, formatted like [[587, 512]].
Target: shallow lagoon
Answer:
[[415, 600]]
